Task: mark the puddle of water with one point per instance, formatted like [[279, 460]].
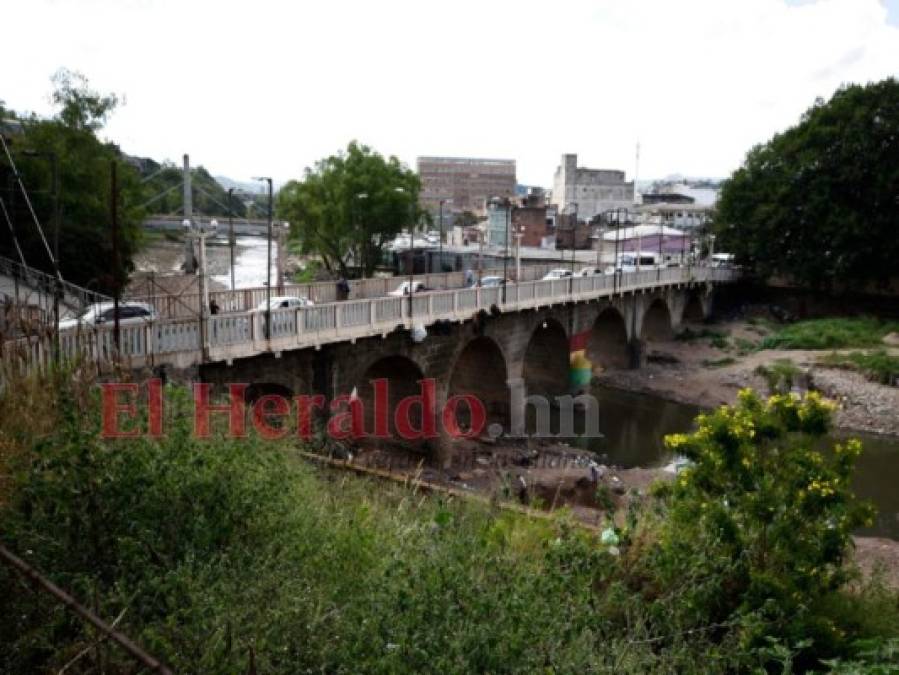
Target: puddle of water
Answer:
[[634, 425]]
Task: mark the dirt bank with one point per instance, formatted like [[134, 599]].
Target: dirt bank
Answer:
[[709, 371], [553, 476]]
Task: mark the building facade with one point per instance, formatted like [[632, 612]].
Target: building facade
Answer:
[[589, 191], [464, 183]]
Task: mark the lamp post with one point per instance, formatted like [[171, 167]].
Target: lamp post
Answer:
[[508, 209], [282, 245], [442, 202], [518, 235], [268, 266], [231, 241], [362, 258], [410, 289]]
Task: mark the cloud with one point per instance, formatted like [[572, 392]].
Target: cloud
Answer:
[[268, 87]]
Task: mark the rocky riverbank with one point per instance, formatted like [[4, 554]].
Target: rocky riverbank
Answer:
[[709, 371]]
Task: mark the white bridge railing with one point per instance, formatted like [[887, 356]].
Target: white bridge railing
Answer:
[[180, 341]]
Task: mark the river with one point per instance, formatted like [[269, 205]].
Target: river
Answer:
[[165, 257], [633, 427]]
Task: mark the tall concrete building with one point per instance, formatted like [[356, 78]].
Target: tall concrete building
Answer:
[[593, 190], [468, 182]]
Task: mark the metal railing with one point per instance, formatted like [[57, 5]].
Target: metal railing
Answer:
[[241, 334], [248, 299], [74, 296]]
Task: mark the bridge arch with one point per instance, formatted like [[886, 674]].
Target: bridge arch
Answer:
[[694, 311], [546, 359], [480, 370], [657, 324], [607, 345], [402, 376], [257, 390]]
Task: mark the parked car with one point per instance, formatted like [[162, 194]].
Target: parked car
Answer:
[[493, 282], [103, 313], [589, 271], [285, 302], [722, 260], [557, 274], [403, 288]]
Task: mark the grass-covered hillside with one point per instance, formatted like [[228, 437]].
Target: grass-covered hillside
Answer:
[[215, 554]]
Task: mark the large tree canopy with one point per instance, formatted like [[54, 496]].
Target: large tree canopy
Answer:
[[819, 203], [84, 162], [349, 206]]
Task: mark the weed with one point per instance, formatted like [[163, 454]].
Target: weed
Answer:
[[835, 333], [745, 346], [878, 365], [779, 375], [719, 363]]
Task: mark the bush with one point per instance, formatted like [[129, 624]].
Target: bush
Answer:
[[761, 522], [208, 549]]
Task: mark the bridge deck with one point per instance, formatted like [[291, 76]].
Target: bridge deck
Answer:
[[183, 342]]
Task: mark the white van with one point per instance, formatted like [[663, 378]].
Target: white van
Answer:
[[722, 260], [632, 262]]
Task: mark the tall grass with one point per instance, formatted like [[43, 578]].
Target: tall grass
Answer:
[[836, 333], [211, 550], [876, 365]]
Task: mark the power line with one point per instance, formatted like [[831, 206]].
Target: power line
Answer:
[[37, 223]]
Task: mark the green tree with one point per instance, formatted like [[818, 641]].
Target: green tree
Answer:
[[84, 163], [349, 206], [817, 203]]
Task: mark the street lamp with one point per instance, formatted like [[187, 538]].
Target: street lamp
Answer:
[[231, 231], [442, 202], [402, 190], [361, 262], [268, 266], [508, 209]]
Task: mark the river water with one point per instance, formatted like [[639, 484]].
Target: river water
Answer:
[[633, 427], [250, 253]]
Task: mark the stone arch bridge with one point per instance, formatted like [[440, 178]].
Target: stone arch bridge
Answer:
[[548, 351]]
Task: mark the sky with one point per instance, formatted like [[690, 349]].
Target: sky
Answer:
[[264, 87]]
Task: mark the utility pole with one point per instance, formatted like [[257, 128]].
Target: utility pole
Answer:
[[508, 207], [114, 215], [268, 266], [441, 236], [231, 231], [187, 202]]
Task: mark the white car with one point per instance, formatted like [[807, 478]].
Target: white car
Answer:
[[285, 302], [589, 271], [493, 282], [557, 274], [403, 288], [103, 313]]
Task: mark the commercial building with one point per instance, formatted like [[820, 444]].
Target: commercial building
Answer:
[[464, 183], [683, 215], [589, 191]]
